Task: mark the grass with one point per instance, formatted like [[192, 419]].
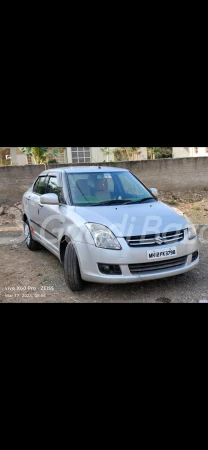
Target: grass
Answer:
[[44, 280], [172, 202], [196, 207]]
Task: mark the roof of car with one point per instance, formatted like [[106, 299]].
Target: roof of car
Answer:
[[84, 169]]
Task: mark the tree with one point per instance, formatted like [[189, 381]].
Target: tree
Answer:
[[159, 152], [40, 155], [121, 153], [107, 151]]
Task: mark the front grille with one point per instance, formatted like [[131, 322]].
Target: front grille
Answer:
[[150, 239], [136, 269]]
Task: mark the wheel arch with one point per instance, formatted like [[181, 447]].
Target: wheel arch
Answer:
[[63, 245], [24, 218]]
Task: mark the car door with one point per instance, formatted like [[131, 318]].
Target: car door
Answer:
[[50, 215], [33, 199]]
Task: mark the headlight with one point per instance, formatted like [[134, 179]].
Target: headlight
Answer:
[[103, 237], [191, 231]]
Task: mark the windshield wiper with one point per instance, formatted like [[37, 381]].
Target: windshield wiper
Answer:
[[122, 202], [144, 200], [112, 202]]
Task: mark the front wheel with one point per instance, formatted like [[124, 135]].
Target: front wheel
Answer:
[[72, 270], [31, 244]]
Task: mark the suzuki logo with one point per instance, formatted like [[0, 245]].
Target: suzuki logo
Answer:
[[159, 240]]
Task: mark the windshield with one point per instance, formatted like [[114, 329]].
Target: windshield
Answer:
[[99, 188]]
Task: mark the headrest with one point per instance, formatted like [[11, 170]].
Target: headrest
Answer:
[[100, 185]]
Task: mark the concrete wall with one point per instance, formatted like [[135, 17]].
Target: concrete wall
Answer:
[[15, 180], [174, 175]]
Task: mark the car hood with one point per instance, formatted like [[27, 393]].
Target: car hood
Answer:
[[135, 220]]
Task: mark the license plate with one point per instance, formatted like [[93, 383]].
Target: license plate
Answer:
[[170, 252]]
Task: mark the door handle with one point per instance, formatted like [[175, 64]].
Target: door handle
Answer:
[[28, 198], [39, 204]]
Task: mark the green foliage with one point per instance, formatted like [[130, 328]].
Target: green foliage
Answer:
[[159, 152], [127, 153], [40, 155], [5, 162], [106, 151], [121, 153]]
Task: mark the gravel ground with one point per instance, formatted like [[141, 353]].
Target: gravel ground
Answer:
[[38, 277]]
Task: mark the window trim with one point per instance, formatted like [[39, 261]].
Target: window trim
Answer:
[[51, 176]]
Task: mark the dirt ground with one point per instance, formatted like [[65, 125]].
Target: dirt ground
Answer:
[[194, 204], [27, 277], [38, 276]]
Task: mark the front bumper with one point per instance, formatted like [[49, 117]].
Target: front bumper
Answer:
[[90, 256]]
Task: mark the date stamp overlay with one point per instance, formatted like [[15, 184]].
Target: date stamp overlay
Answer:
[[27, 292]]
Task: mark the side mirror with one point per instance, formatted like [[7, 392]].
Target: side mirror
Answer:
[[154, 191], [49, 199]]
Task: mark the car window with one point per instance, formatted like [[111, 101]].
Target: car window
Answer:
[[40, 186], [106, 187], [88, 188], [53, 188], [110, 185], [128, 184]]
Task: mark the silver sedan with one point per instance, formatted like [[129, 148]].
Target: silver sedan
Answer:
[[105, 226]]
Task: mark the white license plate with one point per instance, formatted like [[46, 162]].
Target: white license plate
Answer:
[[169, 252]]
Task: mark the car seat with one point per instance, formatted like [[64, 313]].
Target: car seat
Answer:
[[101, 192]]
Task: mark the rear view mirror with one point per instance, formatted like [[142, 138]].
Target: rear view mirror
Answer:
[[49, 199], [154, 191]]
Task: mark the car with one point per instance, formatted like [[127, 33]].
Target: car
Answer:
[[106, 226]]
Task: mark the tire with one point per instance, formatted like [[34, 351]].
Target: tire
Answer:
[[31, 244], [72, 270]]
